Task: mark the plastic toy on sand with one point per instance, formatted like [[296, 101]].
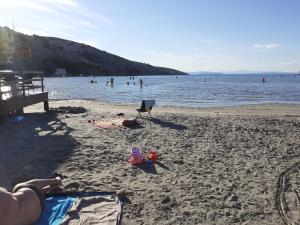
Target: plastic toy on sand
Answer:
[[136, 157], [153, 155]]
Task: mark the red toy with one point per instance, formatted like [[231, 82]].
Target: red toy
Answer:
[[153, 155]]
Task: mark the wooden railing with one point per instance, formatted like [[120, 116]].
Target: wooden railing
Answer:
[[21, 89], [20, 84]]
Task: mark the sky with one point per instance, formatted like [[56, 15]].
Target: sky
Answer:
[[188, 35]]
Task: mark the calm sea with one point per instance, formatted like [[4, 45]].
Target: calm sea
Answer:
[[192, 90]]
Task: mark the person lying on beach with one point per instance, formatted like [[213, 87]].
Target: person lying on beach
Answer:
[[25, 204]]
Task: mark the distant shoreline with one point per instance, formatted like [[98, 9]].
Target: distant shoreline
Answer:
[[140, 75], [187, 74]]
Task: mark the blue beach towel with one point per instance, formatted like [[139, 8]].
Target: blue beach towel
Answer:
[[107, 207], [55, 210]]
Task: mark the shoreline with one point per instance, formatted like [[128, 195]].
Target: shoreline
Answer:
[[263, 109], [216, 165], [180, 106]]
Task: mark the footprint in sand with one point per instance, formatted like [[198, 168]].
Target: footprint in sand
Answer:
[[288, 195]]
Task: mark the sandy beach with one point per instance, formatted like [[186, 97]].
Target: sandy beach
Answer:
[[229, 165]]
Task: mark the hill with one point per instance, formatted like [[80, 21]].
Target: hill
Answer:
[[49, 53]]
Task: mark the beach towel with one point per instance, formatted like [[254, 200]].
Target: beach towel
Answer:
[[81, 209], [112, 123]]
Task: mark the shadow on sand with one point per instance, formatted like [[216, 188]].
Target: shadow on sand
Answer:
[[34, 147], [147, 168], [135, 127], [168, 124], [162, 165]]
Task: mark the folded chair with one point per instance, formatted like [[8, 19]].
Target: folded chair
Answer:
[[146, 107]]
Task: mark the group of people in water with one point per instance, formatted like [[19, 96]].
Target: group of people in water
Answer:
[[111, 82], [141, 81]]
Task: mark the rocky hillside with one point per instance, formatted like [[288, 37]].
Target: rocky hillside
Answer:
[[49, 53]]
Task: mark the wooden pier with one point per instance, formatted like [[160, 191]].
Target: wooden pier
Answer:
[[21, 89]]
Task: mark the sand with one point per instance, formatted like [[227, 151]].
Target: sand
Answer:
[[230, 165]]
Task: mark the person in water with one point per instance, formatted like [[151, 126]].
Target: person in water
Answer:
[[141, 82], [26, 202]]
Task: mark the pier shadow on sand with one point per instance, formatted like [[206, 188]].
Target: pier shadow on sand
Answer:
[[33, 148], [168, 124]]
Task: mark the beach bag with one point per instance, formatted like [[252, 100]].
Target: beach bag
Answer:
[[130, 123]]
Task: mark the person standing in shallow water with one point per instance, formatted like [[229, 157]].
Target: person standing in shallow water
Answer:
[[112, 82], [141, 82]]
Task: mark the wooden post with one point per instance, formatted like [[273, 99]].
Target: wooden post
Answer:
[[42, 80], [46, 106], [23, 84], [0, 92], [46, 103], [2, 115]]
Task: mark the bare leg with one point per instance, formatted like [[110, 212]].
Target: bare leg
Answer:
[[41, 183], [45, 185], [50, 188]]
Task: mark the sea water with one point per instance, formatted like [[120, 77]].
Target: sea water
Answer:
[[190, 90]]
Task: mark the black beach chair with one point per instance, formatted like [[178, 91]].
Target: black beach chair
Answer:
[[146, 106]]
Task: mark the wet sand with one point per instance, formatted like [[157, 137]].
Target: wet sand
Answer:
[[216, 165]]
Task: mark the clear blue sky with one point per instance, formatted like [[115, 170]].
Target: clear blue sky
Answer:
[[189, 35]]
